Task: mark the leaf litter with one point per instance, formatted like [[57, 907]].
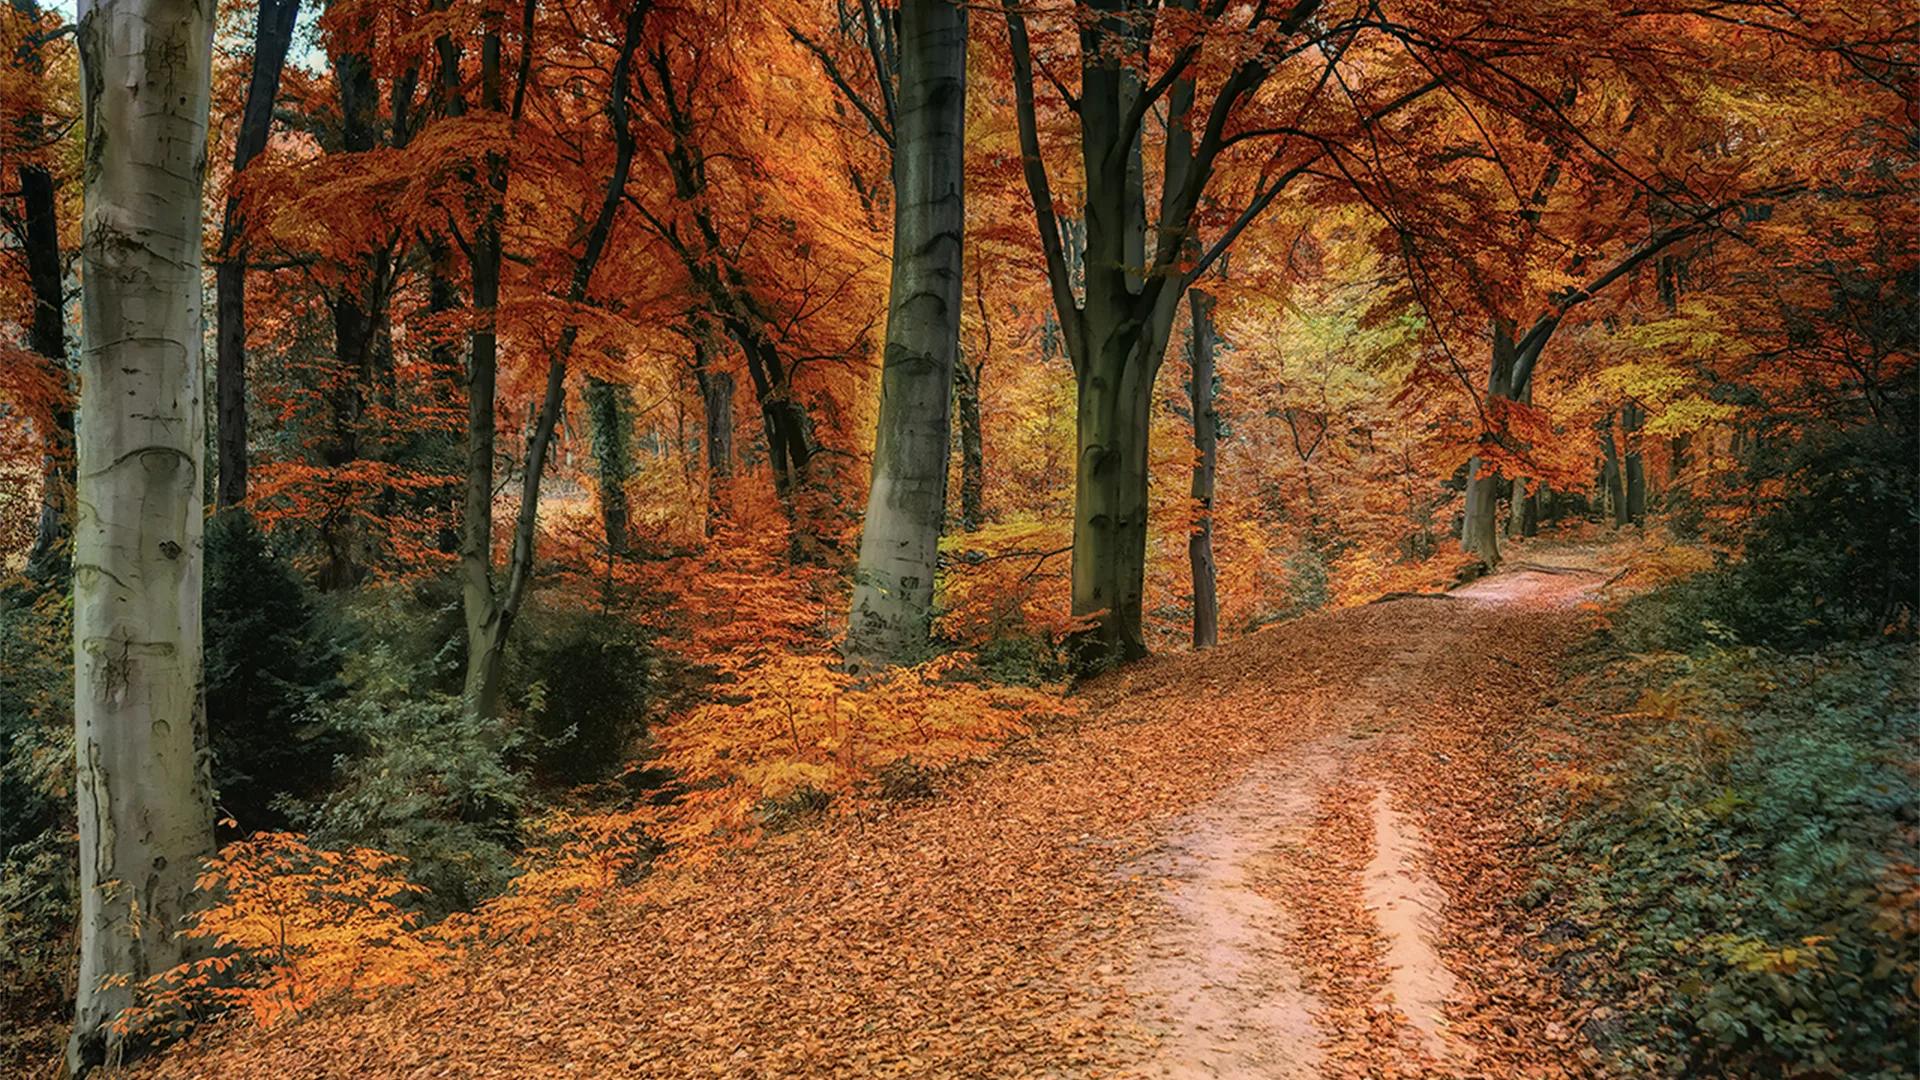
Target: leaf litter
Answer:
[[1173, 885]]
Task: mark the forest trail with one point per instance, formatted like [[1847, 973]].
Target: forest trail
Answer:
[[1225, 972], [1290, 857]]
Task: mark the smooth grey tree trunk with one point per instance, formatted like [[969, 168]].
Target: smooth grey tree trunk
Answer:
[[1206, 431], [906, 505], [272, 35], [145, 790]]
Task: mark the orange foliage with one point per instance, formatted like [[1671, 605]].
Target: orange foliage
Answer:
[[794, 732], [292, 924]]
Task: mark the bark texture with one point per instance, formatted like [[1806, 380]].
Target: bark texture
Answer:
[[973, 461], [145, 809], [610, 411], [1633, 465], [906, 505]]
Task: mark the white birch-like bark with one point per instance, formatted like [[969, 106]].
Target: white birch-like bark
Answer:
[[145, 810], [906, 506]]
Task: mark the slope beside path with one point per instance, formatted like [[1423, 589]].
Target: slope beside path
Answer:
[[1288, 857]]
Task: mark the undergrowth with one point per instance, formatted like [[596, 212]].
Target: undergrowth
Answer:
[[1736, 869]]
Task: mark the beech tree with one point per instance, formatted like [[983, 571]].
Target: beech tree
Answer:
[[906, 505], [1206, 425], [146, 813], [1136, 269], [490, 608]]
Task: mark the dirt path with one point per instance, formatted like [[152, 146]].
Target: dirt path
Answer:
[[1221, 976], [1286, 857]]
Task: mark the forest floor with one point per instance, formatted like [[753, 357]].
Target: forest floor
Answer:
[[1294, 856]]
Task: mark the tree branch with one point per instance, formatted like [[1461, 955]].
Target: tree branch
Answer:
[[879, 126], [1072, 324]]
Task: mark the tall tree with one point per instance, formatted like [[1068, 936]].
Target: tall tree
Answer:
[[1206, 437], [272, 35], [490, 610], [146, 813], [610, 417], [906, 505], [1136, 271]]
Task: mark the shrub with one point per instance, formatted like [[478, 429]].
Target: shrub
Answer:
[[269, 660], [588, 677], [1750, 873], [430, 784], [1839, 558], [1021, 660], [36, 710], [39, 858]]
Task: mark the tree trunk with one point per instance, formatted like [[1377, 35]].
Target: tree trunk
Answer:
[[1480, 526], [1634, 468], [1206, 430], [973, 466], [486, 624], [272, 35], [1110, 503], [145, 792], [906, 505], [490, 613], [1612, 493], [48, 337], [610, 410], [716, 398], [359, 321]]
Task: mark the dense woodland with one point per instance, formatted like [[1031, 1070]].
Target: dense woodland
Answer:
[[459, 455]]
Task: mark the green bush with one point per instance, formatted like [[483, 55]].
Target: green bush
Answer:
[[1748, 882], [1021, 660], [1308, 589], [39, 857], [587, 679], [1836, 559], [36, 710], [270, 659], [1840, 557], [430, 783]]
